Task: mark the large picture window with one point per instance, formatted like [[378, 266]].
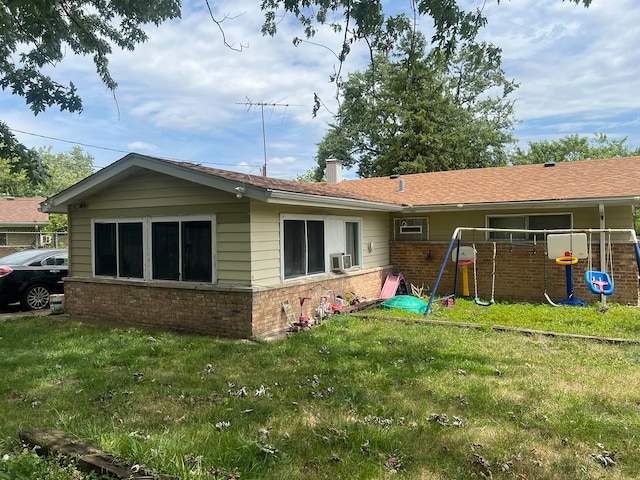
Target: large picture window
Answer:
[[171, 249], [308, 243]]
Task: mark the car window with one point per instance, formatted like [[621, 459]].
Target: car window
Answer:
[[18, 257], [58, 260]]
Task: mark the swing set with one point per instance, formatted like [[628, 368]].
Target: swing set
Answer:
[[565, 246], [463, 257]]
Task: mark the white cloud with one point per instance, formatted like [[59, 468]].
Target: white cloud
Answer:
[[183, 92], [142, 146]]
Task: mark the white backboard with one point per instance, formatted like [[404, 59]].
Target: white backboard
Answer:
[[575, 244]]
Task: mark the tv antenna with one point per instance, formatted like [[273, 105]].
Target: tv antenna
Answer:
[[250, 104]]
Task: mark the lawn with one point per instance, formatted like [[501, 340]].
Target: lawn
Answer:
[[353, 398]]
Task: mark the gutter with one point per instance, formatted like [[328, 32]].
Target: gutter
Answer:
[[306, 200], [516, 205]]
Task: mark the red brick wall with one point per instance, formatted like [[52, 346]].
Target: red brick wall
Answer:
[[269, 316], [520, 273], [220, 313], [233, 312]]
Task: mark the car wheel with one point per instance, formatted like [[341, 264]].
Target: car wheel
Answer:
[[36, 297]]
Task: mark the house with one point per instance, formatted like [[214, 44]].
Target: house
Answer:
[[181, 246], [20, 222]]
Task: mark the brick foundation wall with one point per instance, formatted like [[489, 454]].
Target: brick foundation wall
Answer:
[[233, 312], [520, 273], [268, 313], [212, 312]]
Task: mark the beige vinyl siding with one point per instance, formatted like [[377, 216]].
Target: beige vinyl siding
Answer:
[[265, 243], [153, 194], [375, 229], [265, 238]]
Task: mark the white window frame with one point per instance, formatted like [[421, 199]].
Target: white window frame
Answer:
[[334, 240], [147, 223], [420, 224], [526, 217]]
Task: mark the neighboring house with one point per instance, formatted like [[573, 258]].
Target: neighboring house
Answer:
[[186, 247], [20, 219]]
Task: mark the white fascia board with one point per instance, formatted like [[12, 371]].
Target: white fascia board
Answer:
[[305, 200], [58, 203]]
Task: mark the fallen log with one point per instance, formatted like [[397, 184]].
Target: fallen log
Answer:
[[87, 457]]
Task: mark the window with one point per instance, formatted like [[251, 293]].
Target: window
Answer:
[[352, 241], [411, 229], [179, 249], [308, 242], [526, 222], [303, 247]]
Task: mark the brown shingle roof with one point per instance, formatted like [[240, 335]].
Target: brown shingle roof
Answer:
[[293, 186], [17, 210], [589, 179]]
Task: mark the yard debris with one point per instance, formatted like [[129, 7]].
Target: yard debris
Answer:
[[324, 350], [383, 422], [268, 449], [443, 419], [242, 392], [223, 425], [138, 376], [393, 463], [482, 466], [365, 448], [605, 457], [323, 393], [208, 368], [88, 458], [261, 392]]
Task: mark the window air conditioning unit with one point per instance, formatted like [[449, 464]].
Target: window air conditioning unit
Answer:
[[45, 239], [340, 262]]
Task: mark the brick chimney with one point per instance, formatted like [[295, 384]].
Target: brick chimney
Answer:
[[333, 171]]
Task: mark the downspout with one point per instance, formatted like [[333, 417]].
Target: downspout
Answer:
[[603, 250]]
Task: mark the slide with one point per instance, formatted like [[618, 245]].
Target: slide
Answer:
[[391, 284]]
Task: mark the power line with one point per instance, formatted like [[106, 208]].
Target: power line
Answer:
[[67, 141], [89, 145]]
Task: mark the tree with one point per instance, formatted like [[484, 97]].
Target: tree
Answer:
[[65, 169], [21, 161], [39, 34], [366, 20], [423, 113], [573, 147]]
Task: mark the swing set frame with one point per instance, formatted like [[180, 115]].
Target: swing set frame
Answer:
[[458, 232]]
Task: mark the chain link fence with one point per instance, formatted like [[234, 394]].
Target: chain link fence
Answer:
[[14, 241]]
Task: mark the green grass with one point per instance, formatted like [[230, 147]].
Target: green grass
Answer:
[[611, 320], [352, 398]]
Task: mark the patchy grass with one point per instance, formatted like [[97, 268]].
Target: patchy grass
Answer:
[[351, 398], [612, 320]]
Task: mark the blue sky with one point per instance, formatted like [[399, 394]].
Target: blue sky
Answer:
[[182, 94]]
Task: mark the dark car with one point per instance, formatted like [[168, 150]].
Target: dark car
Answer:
[[31, 276]]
